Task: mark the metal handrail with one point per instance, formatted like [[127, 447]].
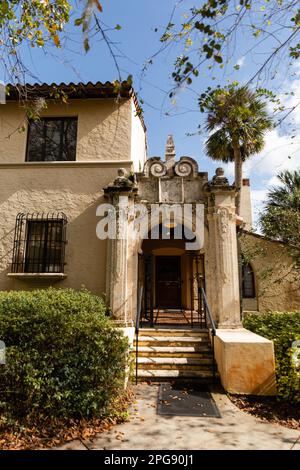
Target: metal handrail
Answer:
[[208, 314], [207, 310], [137, 328]]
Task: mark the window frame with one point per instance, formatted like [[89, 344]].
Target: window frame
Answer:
[[43, 257], [253, 285], [20, 259], [44, 119]]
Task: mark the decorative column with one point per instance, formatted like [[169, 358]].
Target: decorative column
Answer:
[[222, 278], [120, 194]]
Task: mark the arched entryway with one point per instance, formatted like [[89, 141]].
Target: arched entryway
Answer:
[[171, 277]]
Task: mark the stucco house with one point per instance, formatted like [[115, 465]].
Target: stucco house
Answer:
[[82, 165]]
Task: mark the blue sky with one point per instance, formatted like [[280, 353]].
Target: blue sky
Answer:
[[136, 42]]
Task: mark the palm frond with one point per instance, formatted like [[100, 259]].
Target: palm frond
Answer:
[[236, 112], [287, 195], [218, 146]]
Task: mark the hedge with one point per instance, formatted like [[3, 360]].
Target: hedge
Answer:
[[64, 358], [283, 329]]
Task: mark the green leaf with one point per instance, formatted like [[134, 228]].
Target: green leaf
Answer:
[[218, 59], [129, 80], [78, 21]]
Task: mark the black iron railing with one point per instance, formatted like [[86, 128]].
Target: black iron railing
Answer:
[[196, 282], [137, 329], [212, 326]]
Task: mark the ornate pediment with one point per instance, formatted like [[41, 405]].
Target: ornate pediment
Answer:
[[170, 181], [185, 167], [167, 181]]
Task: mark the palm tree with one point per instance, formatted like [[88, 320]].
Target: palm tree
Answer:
[[237, 121], [281, 216]]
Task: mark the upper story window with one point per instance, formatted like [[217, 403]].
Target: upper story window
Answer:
[[52, 139], [39, 244]]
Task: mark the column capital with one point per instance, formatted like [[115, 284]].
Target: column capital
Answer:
[[123, 185]]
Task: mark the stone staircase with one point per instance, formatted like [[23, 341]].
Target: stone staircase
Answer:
[[169, 353]]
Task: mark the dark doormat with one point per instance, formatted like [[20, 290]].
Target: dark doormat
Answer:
[[186, 400]]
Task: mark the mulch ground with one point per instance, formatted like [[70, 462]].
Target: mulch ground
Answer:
[[269, 409], [47, 432]]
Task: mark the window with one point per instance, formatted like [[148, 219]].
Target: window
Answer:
[[39, 245], [52, 139], [248, 282]]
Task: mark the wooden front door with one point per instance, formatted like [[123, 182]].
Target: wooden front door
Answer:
[[168, 281]]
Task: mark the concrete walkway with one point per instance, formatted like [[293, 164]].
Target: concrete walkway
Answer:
[[146, 430]]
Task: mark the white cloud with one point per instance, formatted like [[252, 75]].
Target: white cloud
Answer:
[[280, 153], [263, 169], [258, 195], [273, 181]]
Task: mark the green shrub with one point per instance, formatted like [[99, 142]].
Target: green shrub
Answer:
[[283, 329], [64, 358]]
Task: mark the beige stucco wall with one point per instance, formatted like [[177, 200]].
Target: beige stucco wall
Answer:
[[138, 140], [109, 136], [107, 130], [277, 283], [75, 190]]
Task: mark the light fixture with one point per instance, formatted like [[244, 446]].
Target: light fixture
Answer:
[[170, 224]]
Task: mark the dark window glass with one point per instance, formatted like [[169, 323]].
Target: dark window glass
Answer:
[[44, 247], [52, 140], [248, 282]]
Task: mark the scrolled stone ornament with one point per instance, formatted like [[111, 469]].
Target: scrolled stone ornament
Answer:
[[158, 169], [183, 169]]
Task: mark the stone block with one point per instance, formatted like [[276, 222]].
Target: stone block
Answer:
[[246, 362]]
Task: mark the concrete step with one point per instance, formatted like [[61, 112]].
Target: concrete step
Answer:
[[173, 341], [169, 374], [173, 332], [174, 360], [174, 363], [197, 351], [174, 353]]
